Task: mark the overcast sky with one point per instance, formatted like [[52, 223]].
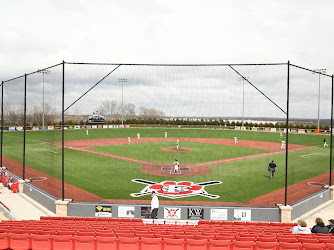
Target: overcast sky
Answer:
[[36, 34]]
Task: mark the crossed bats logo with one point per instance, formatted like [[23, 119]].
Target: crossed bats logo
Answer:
[[175, 190]]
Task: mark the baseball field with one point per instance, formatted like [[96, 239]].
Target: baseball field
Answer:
[[102, 165]]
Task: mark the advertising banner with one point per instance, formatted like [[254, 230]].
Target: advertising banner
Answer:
[[145, 212], [242, 214], [103, 211], [172, 213], [218, 214], [126, 211], [195, 214]]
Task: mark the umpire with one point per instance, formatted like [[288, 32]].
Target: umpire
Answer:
[[271, 169]]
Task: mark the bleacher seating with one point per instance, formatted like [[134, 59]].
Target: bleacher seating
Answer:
[[117, 234]]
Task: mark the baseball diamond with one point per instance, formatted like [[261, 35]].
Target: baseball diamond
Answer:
[[115, 163]]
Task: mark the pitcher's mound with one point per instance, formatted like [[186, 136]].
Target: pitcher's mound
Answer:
[[166, 170], [176, 150]]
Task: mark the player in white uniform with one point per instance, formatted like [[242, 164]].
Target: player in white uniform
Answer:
[[87, 131], [177, 144], [176, 165], [129, 140], [325, 143], [165, 134], [235, 140], [283, 145], [138, 136]]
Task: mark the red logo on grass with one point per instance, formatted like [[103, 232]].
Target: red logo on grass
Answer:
[[174, 190]]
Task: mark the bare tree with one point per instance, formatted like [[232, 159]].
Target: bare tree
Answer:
[[110, 109], [129, 110], [150, 112]]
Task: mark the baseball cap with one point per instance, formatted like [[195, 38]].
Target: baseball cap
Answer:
[[153, 192], [331, 220]]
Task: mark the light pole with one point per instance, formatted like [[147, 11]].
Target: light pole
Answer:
[[44, 71], [243, 78], [122, 81], [319, 71]]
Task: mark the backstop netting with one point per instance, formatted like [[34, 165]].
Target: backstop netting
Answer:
[[125, 126]]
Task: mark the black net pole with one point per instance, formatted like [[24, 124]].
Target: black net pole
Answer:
[[331, 149], [287, 136], [1, 119], [24, 126], [63, 135]]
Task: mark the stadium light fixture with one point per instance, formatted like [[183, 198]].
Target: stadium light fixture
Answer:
[[319, 72], [123, 80], [48, 72], [243, 78]]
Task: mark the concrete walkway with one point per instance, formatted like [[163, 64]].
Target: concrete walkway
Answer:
[[324, 211], [21, 206], [24, 208]]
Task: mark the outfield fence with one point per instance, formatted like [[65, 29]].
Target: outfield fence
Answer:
[[36, 142]]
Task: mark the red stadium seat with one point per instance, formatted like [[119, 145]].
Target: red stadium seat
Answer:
[[245, 238], [51, 232], [242, 245], [251, 223], [326, 241], [287, 239], [4, 241], [204, 237], [41, 242], [164, 236], [265, 245], [196, 244], [141, 235], [68, 232], [106, 243], [84, 242], [19, 241], [151, 243], [319, 246], [85, 233], [62, 242], [289, 245], [275, 224], [266, 238], [239, 223], [308, 240], [183, 236], [126, 235], [127, 243], [28, 231], [174, 244], [223, 237], [219, 244]]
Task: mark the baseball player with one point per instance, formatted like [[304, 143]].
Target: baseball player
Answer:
[[176, 165], [325, 143], [165, 134], [129, 140], [283, 145], [281, 135], [271, 168], [87, 131], [138, 136], [177, 144], [235, 140]]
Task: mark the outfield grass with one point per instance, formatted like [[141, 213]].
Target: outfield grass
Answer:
[[111, 178]]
